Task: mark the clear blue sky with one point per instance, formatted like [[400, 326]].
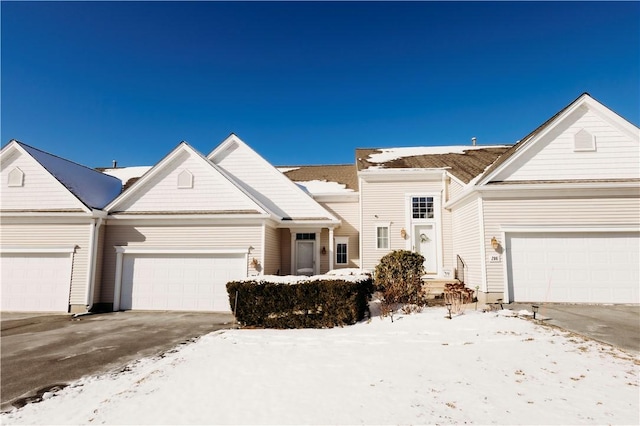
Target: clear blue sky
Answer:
[[304, 83]]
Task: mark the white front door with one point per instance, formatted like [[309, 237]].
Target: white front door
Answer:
[[304, 257], [424, 242]]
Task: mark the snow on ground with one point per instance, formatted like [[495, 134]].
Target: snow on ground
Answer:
[[482, 368], [395, 153]]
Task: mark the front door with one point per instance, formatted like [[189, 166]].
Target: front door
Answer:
[[424, 242], [304, 257]]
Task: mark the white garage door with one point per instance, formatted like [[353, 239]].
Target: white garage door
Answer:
[[179, 282], [35, 282], [574, 267]]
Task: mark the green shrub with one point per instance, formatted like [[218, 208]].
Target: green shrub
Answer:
[[309, 304], [398, 280]]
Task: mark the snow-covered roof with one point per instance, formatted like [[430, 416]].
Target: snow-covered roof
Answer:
[[91, 187], [323, 187], [126, 173], [388, 154]]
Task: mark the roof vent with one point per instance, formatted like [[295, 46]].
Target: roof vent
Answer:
[[584, 141], [115, 164], [473, 141]]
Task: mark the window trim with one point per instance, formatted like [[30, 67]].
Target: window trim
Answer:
[[388, 236], [345, 241]]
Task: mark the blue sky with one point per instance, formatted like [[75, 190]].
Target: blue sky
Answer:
[[307, 82]]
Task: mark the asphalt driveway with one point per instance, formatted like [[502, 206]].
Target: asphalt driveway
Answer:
[[41, 351], [617, 325]]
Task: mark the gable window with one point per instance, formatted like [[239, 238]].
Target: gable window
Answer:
[[342, 250], [382, 237], [422, 207], [306, 236]]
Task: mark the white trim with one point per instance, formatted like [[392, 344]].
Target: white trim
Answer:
[[263, 239], [38, 249], [360, 227], [401, 175], [341, 240], [331, 249], [94, 233], [348, 197], [179, 250], [570, 228], [484, 285]]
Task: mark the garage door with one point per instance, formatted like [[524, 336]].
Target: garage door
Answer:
[[35, 282], [573, 267], [179, 282]]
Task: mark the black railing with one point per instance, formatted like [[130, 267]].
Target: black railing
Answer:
[[460, 267]]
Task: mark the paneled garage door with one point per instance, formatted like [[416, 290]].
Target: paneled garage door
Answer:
[[35, 282], [573, 267], [181, 282]]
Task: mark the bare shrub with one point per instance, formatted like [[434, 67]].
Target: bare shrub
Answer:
[[458, 296]]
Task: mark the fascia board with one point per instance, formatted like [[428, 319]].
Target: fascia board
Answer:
[[337, 198], [178, 250]]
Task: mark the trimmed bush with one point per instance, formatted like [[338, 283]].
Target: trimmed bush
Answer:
[[317, 303], [398, 279]]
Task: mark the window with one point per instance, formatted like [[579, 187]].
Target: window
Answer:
[[382, 237], [342, 250], [306, 236], [422, 207]]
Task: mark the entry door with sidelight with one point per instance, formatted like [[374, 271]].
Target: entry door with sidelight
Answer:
[[425, 243]]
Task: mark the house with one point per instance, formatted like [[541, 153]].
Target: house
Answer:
[[51, 213], [553, 218]]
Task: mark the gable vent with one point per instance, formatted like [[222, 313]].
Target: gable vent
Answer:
[[15, 177], [185, 179], [584, 141]]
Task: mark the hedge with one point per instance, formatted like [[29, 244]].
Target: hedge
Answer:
[[317, 303]]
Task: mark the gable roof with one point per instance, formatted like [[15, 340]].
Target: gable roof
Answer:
[[463, 162], [183, 147], [92, 188], [266, 184], [336, 178], [584, 100]]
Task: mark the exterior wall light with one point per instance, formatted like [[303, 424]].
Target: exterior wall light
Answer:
[[495, 243], [403, 234], [324, 250], [255, 263]]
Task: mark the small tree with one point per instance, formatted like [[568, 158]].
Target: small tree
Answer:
[[398, 280]]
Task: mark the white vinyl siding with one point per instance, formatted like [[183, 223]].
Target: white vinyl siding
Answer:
[[55, 234], [616, 155], [185, 236], [272, 259], [210, 191], [266, 183], [39, 191], [568, 212], [466, 240]]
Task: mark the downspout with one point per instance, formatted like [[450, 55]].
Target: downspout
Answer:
[[91, 278]]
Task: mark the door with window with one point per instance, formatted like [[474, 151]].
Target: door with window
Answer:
[[304, 257], [424, 219]]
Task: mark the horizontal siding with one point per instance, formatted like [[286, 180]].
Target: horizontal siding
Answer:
[[384, 202], [272, 262], [213, 237], [40, 190], [267, 184], [210, 192], [466, 240], [56, 235], [617, 156], [567, 212], [349, 214]]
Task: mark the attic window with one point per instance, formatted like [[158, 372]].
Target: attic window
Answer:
[[15, 177], [584, 141], [185, 179]]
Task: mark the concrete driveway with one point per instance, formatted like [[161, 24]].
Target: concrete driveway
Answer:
[[617, 325], [42, 351]]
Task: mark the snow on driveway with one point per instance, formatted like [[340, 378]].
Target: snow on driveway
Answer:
[[483, 368]]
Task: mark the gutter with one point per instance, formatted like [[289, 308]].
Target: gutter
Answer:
[[93, 251]]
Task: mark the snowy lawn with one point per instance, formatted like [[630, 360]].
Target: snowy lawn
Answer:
[[484, 368]]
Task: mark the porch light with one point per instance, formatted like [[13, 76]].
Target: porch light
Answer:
[[403, 234], [535, 310], [495, 243], [449, 309], [255, 263], [324, 250]]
